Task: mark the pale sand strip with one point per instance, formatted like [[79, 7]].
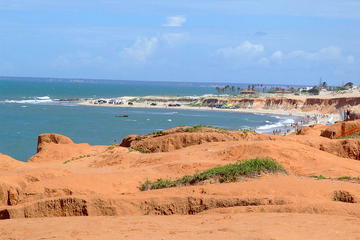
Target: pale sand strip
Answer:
[[324, 117]]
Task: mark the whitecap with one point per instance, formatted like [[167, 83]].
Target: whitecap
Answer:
[[270, 126], [288, 121], [280, 124], [44, 98], [36, 100]]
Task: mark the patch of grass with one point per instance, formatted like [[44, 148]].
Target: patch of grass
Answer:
[[348, 178], [112, 146], [227, 173], [157, 133], [139, 150], [320, 177], [77, 158], [343, 178], [199, 128], [356, 135]]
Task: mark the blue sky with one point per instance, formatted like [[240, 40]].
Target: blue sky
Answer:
[[248, 41]]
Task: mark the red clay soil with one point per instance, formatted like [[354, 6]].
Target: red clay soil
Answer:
[[342, 129], [324, 105], [56, 147], [97, 188]]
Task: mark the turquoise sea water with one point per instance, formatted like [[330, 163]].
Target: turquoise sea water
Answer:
[[27, 110]]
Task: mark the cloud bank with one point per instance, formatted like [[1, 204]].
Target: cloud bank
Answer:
[[175, 21]]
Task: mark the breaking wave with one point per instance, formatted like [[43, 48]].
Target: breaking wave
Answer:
[[36, 100], [280, 124]]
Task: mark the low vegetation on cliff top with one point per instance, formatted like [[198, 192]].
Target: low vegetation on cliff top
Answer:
[[202, 128], [355, 135], [227, 173]]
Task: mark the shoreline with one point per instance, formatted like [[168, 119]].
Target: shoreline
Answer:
[[298, 119], [204, 108]]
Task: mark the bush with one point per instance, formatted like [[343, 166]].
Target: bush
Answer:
[[355, 135], [314, 91], [227, 173]]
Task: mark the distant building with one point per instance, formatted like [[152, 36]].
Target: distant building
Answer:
[[282, 91]]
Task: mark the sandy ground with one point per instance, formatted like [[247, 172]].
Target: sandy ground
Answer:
[[248, 226], [184, 107]]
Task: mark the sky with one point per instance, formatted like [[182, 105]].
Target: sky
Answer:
[[243, 41]]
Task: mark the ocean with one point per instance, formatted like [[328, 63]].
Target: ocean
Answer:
[[28, 107]]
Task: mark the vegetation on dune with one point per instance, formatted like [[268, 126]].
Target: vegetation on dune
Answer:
[[112, 146], [348, 178], [159, 133], [355, 135], [320, 177], [227, 173], [200, 128], [140, 150], [343, 178], [79, 157]]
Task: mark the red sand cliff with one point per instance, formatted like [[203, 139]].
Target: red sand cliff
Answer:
[[99, 185], [323, 105]]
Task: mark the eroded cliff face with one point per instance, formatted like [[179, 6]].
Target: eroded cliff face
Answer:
[[332, 105]]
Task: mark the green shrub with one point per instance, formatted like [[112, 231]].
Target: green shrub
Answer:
[[320, 177], [348, 178], [355, 135], [139, 150], [227, 173], [112, 146]]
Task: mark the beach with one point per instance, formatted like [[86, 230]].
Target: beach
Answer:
[[301, 118]]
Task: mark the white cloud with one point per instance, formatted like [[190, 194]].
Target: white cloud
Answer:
[[141, 50], [173, 38], [350, 59], [331, 53], [264, 61], [277, 56], [246, 48], [175, 21]]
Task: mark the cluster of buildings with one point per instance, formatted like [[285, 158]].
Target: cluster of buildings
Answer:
[[108, 101]]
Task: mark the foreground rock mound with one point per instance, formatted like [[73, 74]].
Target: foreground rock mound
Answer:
[[7, 163], [181, 137], [55, 147]]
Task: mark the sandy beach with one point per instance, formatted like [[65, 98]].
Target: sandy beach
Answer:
[[302, 118]]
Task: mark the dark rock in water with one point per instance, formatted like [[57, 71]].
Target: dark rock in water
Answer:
[[122, 115]]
